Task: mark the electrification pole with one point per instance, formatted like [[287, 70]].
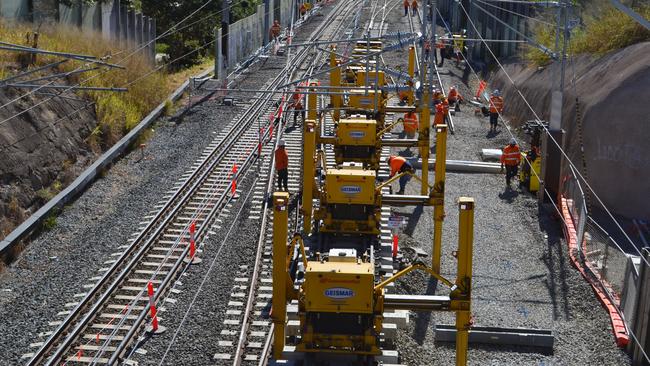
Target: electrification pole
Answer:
[[552, 159]]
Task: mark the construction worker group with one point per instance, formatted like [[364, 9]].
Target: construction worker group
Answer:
[[413, 5]]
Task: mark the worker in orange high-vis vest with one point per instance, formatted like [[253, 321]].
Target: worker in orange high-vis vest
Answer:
[[511, 157], [282, 165], [439, 118], [406, 7], [303, 10], [496, 108], [414, 7], [410, 124], [275, 30], [399, 164]]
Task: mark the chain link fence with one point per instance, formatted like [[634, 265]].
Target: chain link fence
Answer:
[[597, 253]]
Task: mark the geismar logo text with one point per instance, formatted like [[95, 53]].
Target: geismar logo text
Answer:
[[351, 189], [339, 293]]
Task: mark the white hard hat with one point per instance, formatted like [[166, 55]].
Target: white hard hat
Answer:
[[281, 143], [496, 92], [513, 141]]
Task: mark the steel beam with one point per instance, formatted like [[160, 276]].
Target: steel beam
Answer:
[[501, 336], [464, 166]]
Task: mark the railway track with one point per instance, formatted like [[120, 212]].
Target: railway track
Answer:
[[247, 337], [107, 319]]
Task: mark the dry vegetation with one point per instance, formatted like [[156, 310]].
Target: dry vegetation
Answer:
[[604, 29], [116, 112]]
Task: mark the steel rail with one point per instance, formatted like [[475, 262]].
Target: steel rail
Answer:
[[190, 186], [299, 59]]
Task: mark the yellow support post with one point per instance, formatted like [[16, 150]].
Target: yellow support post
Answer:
[[335, 81], [280, 229], [411, 71], [464, 278], [423, 139], [309, 172], [438, 195], [312, 103]]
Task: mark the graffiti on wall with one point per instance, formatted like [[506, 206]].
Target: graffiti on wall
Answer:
[[628, 154]]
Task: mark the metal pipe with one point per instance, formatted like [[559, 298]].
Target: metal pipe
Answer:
[[67, 87], [54, 64], [85, 58]]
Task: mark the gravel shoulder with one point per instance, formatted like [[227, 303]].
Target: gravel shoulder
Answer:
[[522, 274], [57, 263]]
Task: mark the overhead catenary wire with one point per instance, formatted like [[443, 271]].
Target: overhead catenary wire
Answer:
[[628, 328], [517, 14]]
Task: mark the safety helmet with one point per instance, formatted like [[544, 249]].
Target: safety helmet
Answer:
[[453, 87], [513, 141], [281, 143], [496, 92]]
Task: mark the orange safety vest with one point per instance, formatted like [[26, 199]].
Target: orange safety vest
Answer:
[[496, 104], [410, 122], [445, 105], [298, 106], [414, 4], [440, 115], [511, 155], [396, 164], [406, 3], [281, 159]]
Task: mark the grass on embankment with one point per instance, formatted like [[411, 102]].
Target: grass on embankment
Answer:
[[602, 32], [117, 112]]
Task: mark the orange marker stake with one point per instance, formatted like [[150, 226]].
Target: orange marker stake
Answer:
[[395, 245]]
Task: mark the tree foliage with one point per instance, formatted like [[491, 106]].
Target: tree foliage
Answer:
[[168, 13]]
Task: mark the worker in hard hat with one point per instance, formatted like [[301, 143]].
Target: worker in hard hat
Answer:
[[406, 7], [510, 158], [410, 124], [282, 165], [454, 98], [414, 7], [496, 108], [399, 164]]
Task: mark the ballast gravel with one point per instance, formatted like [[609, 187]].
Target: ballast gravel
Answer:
[[57, 263], [522, 276]]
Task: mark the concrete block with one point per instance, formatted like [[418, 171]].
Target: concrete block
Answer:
[[387, 357]]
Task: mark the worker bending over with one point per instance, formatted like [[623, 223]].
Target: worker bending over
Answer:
[[455, 98], [511, 157], [399, 164], [282, 165], [496, 108]]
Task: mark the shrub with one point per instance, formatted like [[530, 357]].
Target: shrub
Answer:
[[603, 32]]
